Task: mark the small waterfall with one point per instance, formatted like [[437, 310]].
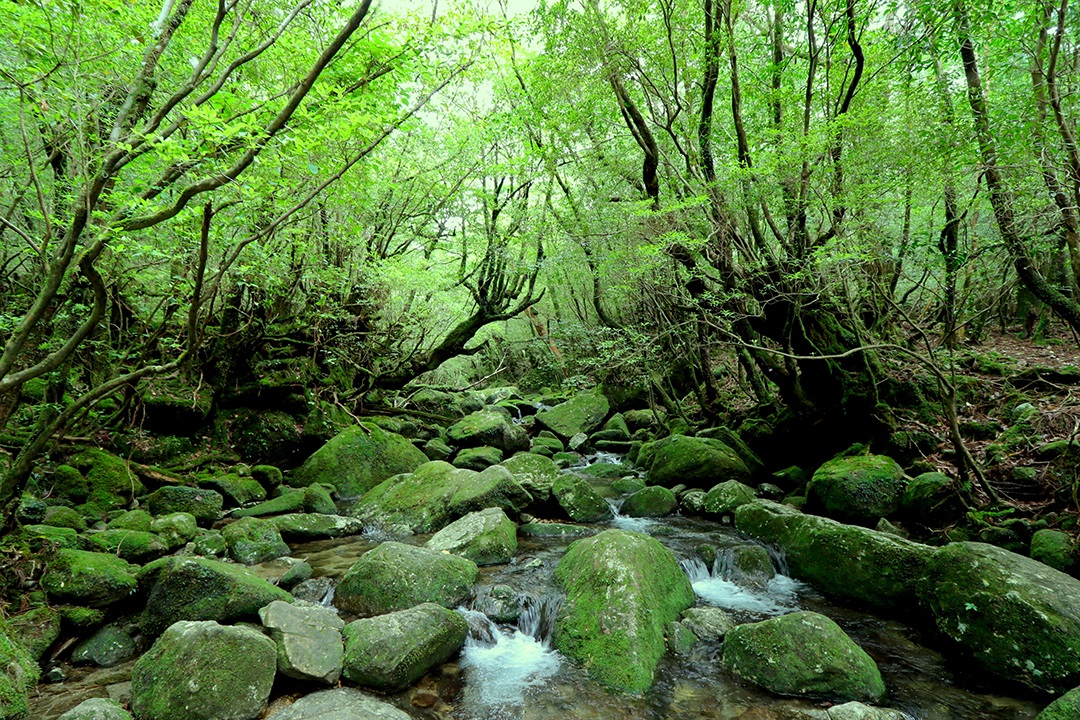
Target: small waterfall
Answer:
[[328, 598], [624, 522], [726, 587], [502, 665]]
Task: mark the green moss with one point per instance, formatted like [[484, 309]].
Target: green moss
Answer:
[[88, 578], [64, 517], [19, 673], [653, 501], [622, 590], [133, 520], [252, 541], [579, 500], [583, 413], [478, 458], [357, 460], [69, 483], [693, 461], [110, 482], [487, 537], [235, 489], [858, 489], [725, 497], [134, 546], [535, 473], [1054, 548], [395, 576], [1066, 707]]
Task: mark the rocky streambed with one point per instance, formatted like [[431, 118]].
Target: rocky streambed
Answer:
[[663, 588]]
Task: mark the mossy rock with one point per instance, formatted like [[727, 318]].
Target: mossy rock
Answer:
[[134, 546], [357, 460], [64, 517], [603, 471], [931, 499], [107, 647], [724, 498], [97, 709], [533, 472], [205, 505], [1018, 617], [251, 541], [88, 578], [132, 520], [488, 427], [487, 537], [302, 527], [19, 674], [199, 670], [35, 630], [583, 413], [175, 529], [859, 489], [202, 589], [437, 449], [693, 461], [478, 458], [265, 436], [731, 439], [395, 576], [236, 490], [650, 502], [269, 476], [1054, 548], [627, 484], [806, 654], [847, 561], [553, 529], [579, 500], [622, 590], [110, 483], [1066, 707], [288, 502], [390, 652]]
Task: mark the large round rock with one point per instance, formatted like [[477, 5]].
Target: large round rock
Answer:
[[204, 671], [88, 578], [358, 459], [859, 490], [803, 653], [395, 576], [486, 537], [340, 704], [691, 460], [622, 589], [391, 652]]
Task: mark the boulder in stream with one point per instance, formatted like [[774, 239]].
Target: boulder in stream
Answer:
[[583, 413], [202, 589], [107, 647], [392, 651], [848, 561], [200, 670], [725, 497], [308, 641], [340, 704], [580, 502], [652, 501], [859, 489], [1066, 707], [1019, 618], [205, 505], [487, 537], [395, 576], [97, 709], [315, 526], [489, 427], [803, 653], [358, 459], [251, 541], [692, 461], [535, 473], [622, 590]]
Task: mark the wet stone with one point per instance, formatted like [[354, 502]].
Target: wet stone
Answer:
[[308, 639]]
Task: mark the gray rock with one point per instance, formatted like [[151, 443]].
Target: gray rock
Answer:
[[285, 572], [107, 647], [308, 639], [392, 651], [201, 670], [312, 526], [395, 576], [340, 704], [313, 590], [707, 623], [486, 537], [858, 711], [533, 472], [97, 709]]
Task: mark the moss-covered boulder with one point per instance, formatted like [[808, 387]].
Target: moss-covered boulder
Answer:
[[860, 489], [724, 498], [62, 516], [622, 590], [395, 576], [97, 709], [932, 499], [236, 490], [1066, 707], [390, 652], [203, 670], [317, 499], [1019, 618], [290, 501], [47, 535], [1054, 548], [438, 493], [134, 546], [691, 461], [803, 653], [731, 438], [301, 527], [107, 647], [175, 529], [251, 541], [204, 504], [848, 561], [583, 413], [87, 578], [478, 458], [579, 500], [535, 473], [358, 459], [266, 436], [489, 427], [652, 501], [132, 520], [487, 537], [109, 481], [18, 675], [35, 630], [202, 589], [627, 484]]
